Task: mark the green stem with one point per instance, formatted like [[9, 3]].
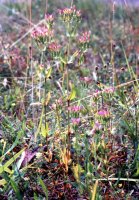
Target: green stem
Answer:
[[45, 110], [41, 61], [68, 100]]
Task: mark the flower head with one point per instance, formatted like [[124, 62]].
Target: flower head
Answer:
[[42, 35], [54, 47], [78, 13], [49, 18], [86, 79], [75, 121], [84, 40], [85, 37], [104, 113], [70, 14], [97, 127], [74, 109], [97, 93], [41, 32], [109, 90]]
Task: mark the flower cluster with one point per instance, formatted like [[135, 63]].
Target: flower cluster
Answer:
[[54, 47], [75, 121], [85, 37], [86, 79], [41, 32], [84, 40], [104, 113], [109, 90], [42, 35], [70, 14], [49, 18], [74, 109], [96, 128]]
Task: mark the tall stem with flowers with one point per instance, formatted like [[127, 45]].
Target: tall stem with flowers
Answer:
[[46, 41]]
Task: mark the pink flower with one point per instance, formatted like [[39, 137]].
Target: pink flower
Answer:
[[67, 11], [78, 13], [75, 121], [74, 108], [41, 32], [97, 93], [86, 79], [41, 66], [103, 113], [109, 90], [85, 37], [68, 14], [49, 18], [59, 101], [54, 47], [97, 127]]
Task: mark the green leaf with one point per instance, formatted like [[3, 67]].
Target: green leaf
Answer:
[[8, 170], [2, 182], [72, 94], [48, 72], [40, 124], [16, 189], [20, 133], [72, 58], [9, 162], [44, 188], [35, 196], [62, 60], [94, 191], [48, 98], [44, 130]]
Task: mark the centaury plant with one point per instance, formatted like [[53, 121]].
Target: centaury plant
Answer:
[[74, 124]]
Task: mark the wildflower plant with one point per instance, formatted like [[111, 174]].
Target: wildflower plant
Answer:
[[77, 125], [62, 55]]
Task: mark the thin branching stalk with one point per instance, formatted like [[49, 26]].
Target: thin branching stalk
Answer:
[[45, 107], [67, 73], [136, 125], [117, 179], [111, 43], [30, 57], [40, 83]]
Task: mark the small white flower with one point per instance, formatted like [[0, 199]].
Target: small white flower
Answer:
[[95, 76], [5, 82]]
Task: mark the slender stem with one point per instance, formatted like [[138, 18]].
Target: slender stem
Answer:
[[136, 125], [72, 3], [30, 55], [111, 44], [46, 6], [45, 109], [116, 179], [68, 100], [41, 61]]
